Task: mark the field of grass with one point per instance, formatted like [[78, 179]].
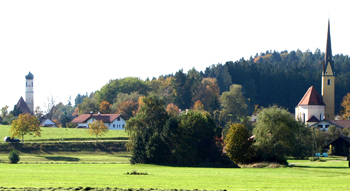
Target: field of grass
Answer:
[[71, 158], [305, 175], [49, 133]]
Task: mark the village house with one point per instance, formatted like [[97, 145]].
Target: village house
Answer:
[[112, 121]]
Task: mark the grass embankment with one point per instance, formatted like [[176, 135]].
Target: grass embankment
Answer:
[[63, 134], [305, 175]]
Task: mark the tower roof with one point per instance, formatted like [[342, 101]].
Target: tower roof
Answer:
[[30, 76], [328, 55], [311, 97]]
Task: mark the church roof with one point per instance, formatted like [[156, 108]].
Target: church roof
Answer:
[[313, 119], [311, 97], [22, 105], [30, 76]]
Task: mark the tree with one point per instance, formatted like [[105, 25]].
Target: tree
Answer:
[[4, 111], [276, 133], [198, 106], [50, 106], [38, 113], [144, 129], [105, 107], [238, 143], [25, 124], [127, 108], [233, 104], [97, 128], [346, 106], [89, 104], [172, 110]]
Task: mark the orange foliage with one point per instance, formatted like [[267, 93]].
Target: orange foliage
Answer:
[[105, 107], [198, 106], [172, 110]]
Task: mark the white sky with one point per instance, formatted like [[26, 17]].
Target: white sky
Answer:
[[76, 47]]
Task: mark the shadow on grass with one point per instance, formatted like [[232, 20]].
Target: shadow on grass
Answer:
[[300, 166], [62, 158]]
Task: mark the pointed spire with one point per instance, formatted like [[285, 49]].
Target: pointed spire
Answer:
[[328, 60], [328, 55]]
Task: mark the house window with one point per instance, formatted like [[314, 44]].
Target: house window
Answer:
[[123, 126], [327, 126], [328, 82], [113, 125], [118, 119], [320, 126]]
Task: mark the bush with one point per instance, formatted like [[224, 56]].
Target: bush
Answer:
[[14, 156]]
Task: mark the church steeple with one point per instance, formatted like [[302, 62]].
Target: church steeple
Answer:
[[328, 79], [328, 60]]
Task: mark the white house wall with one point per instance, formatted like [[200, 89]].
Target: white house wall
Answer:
[[115, 125]]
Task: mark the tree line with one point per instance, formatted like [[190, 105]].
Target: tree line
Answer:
[[268, 78]]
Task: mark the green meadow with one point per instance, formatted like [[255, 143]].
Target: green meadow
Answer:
[[109, 170], [51, 133]]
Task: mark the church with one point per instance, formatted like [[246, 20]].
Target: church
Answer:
[[313, 107], [27, 106]]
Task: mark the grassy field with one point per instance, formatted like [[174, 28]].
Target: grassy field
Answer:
[[71, 158], [305, 175], [49, 133]]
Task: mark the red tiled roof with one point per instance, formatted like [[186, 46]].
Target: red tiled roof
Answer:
[[106, 118], [341, 123], [311, 97], [313, 119]]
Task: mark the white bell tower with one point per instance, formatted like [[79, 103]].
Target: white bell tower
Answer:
[[30, 92]]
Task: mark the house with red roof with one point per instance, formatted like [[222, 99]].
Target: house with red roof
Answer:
[[112, 121]]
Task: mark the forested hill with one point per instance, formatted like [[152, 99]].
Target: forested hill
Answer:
[[281, 77], [268, 78]]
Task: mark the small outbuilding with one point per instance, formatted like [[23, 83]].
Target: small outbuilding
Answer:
[[339, 146]]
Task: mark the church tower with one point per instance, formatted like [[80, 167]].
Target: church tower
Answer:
[[328, 79], [30, 92]]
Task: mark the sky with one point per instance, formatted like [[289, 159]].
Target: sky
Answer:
[[76, 46]]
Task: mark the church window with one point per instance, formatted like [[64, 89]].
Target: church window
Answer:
[[32, 84], [328, 82], [26, 84]]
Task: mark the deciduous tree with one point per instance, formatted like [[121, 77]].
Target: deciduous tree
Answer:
[[238, 143], [127, 108], [233, 104], [25, 124], [97, 128], [276, 134], [105, 107]]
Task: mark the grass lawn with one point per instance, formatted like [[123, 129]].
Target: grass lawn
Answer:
[[305, 175], [71, 158], [59, 133]]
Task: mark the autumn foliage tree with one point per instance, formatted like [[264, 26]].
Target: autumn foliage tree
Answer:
[[127, 108], [346, 106], [105, 107], [172, 110], [97, 128], [198, 106], [25, 124], [239, 146]]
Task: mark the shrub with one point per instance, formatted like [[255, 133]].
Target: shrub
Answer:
[[14, 156]]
